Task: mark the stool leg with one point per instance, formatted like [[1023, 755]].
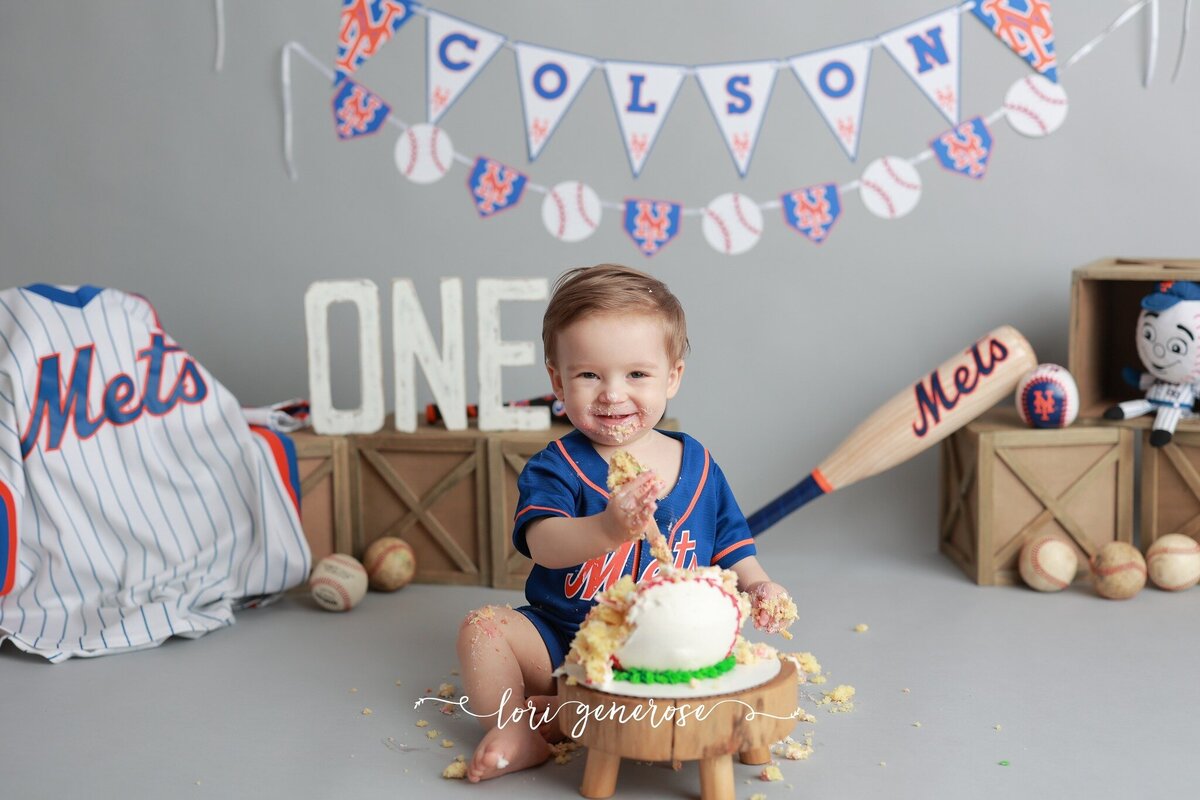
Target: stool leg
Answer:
[[600, 774], [755, 755], [716, 778]]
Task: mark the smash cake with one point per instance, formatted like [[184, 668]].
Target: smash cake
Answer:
[[680, 627]]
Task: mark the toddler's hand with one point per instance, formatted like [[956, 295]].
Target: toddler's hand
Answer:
[[631, 508], [772, 609]]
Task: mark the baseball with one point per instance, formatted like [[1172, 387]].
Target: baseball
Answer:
[[890, 187], [338, 582], [1047, 564], [732, 224], [571, 211], [1047, 397], [424, 153], [390, 563], [1173, 562], [1118, 571], [1035, 106]]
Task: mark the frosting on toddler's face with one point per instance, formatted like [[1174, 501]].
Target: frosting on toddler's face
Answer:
[[614, 375], [1169, 342]]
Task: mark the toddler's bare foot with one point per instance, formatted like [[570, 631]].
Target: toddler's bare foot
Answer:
[[505, 750]]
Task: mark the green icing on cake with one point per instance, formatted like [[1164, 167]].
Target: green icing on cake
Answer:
[[675, 675]]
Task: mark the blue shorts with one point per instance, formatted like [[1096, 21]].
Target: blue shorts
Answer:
[[558, 641]]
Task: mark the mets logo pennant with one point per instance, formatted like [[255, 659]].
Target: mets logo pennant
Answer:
[[357, 111], [651, 223], [494, 187], [812, 210], [1025, 26], [965, 149], [366, 26]]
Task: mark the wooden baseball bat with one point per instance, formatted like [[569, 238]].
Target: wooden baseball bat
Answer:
[[958, 391]]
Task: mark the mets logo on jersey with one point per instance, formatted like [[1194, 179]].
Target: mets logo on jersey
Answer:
[[651, 223], [357, 111], [965, 149], [602, 572], [812, 210], [494, 187], [119, 404], [366, 26], [1025, 26]]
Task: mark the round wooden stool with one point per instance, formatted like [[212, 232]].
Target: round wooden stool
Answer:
[[711, 734]]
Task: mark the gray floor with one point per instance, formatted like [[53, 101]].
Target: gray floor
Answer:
[[1095, 698]]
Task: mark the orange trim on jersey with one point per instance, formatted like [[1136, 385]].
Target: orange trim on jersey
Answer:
[[822, 481], [281, 460], [730, 549], [539, 508], [691, 505], [578, 471], [8, 518]]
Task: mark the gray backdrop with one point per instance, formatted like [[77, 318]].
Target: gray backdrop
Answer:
[[127, 161]]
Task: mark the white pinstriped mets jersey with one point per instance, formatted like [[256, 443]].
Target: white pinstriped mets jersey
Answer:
[[136, 504]]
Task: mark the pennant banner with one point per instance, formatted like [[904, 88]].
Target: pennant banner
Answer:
[[357, 111], [738, 95], [1025, 26], [965, 149], [550, 81], [836, 80], [652, 224], [455, 53], [927, 50], [366, 26], [494, 186], [813, 210], [642, 95]]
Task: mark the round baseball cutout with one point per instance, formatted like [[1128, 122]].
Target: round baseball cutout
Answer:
[[338, 582], [424, 153], [1035, 106], [1047, 564], [390, 563], [571, 211], [1118, 571], [1173, 562], [732, 224], [890, 187], [1047, 397]]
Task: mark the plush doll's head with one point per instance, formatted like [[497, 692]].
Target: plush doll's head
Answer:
[[1169, 332]]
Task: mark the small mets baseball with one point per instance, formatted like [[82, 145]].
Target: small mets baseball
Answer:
[[1173, 562], [1118, 571], [390, 563], [424, 153], [732, 224], [890, 187], [1047, 397], [571, 211], [1035, 106], [1047, 564], [338, 582]]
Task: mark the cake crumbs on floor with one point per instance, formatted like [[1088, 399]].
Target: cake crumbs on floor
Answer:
[[457, 769], [366, 712], [862, 627], [770, 772], [447, 690], [422, 723]]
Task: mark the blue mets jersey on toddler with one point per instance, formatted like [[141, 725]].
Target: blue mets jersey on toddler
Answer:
[[699, 517]]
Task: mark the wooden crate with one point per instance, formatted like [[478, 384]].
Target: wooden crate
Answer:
[[1170, 487], [430, 489], [1105, 303], [1002, 483], [323, 463]]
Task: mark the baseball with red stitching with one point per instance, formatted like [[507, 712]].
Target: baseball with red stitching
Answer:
[[1047, 564], [1173, 562], [424, 153], [732, 224], [890, 187], [390, 563], [1035, 106], [338, 582], [571, 211], [1118, 571], [1047, 397]]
